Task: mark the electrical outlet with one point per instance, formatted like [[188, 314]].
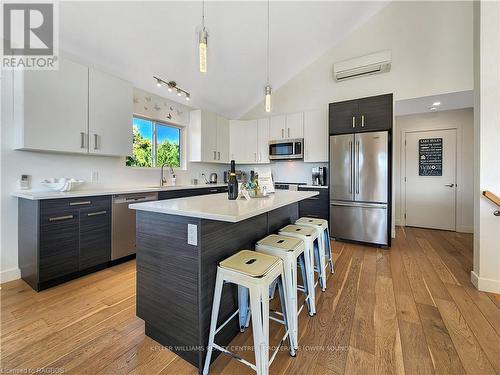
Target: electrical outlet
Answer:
[[193, 234], [95, 177]]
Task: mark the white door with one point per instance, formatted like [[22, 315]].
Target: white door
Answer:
[[430, 168], [316, 136], [222, 140], [110, 114], [277, 127], [263, 140], [295, 125], [56, 108]]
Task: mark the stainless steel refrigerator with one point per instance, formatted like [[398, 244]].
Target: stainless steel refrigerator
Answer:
[[359, 187]]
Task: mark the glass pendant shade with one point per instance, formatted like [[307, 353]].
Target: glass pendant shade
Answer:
[[203, 39]]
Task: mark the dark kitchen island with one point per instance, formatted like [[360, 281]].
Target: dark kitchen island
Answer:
[[179, 245]]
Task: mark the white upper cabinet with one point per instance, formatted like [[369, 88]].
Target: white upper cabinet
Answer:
[[208, 137], [110, 114], [295, 125], [73, 109], [287, 126], [316, 136], [222, 139], [51, 108], [243, 141], [277, 127], [263, 130]]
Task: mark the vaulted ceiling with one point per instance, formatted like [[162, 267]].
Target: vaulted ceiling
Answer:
[[136, 40]]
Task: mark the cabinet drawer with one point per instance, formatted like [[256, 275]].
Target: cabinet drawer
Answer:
[[51, 206], [59, 242]]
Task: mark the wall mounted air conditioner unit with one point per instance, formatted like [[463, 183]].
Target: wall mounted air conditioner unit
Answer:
[[374, 63]]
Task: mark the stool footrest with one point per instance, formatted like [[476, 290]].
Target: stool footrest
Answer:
[[227, 321], [235, 356]]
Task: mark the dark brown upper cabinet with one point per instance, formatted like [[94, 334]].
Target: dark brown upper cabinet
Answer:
[[361, 115]]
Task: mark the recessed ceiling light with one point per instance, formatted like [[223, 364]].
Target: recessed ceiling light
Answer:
[[435, 104], [432, 109]]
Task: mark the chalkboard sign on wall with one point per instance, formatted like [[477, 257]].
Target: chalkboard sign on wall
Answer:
[[430, 158]]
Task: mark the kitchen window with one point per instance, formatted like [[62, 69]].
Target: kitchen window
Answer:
[[155, 143]]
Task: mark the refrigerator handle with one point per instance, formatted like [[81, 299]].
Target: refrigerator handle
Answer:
[[357, 167], [350, 166]]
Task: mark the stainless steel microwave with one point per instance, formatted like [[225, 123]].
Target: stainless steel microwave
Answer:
[[286, 149]]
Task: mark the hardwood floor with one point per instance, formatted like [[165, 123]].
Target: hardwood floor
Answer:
[[410, 310]]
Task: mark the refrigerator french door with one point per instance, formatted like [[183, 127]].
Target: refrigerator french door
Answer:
[[359, 166]]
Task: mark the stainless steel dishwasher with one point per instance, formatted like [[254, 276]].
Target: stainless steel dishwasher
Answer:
[[123, 223]]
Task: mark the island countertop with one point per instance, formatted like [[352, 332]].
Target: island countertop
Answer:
[[218, 207]]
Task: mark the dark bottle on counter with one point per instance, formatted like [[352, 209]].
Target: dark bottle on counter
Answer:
[[232, 183]]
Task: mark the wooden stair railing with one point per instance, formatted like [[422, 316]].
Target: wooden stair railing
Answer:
[[493, 198]]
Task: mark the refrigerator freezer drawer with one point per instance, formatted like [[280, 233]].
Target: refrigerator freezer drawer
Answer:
[[359, 222]]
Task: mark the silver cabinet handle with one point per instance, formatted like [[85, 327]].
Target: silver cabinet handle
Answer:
[[98, 213], [255, 156], [450, 185], [214, 190], [96, 146], [353, 122], [288, 132], [60, 218], [362, 121], [282, 133], [81, 203], [357, 167], [82, 140], [215, 155], [260, 156], [219, 155], [313, 199], [350, 166]]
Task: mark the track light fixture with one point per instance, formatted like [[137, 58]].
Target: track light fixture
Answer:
[[171, 86]]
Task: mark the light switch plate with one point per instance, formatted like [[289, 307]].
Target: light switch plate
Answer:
[[193, 234]]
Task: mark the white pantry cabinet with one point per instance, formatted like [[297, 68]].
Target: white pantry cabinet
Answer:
[[51, 108], [208, 137], [316, 136], [287, 126], [73, 110], [263, 140], [243, 141], [110, 114], [222, 140]]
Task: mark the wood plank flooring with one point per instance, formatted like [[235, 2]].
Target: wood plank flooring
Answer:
[[409, 310]]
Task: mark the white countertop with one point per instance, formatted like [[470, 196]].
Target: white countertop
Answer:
[[218, 207], [51, 194], [314, 186]]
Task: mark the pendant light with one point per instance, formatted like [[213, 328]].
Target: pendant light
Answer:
[[203, 41], [267, 89]]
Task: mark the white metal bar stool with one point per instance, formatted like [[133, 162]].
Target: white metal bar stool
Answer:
[[321, 226], [255, 271], [289, 249], [310, 237]]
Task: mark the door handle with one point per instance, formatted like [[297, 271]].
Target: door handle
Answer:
[[350, 166], [362, 121], [357, 167], [288, 132], [260, 156], [215, 155], [97, 213], [282, 133], [353, 122], [59, 218], [82, 140], [450, 185], [219, 155], [254, 156], [79, 203], [96, 147]]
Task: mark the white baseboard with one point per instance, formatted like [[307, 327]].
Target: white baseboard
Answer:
[[465, 229], [485, 285], [9, 275]]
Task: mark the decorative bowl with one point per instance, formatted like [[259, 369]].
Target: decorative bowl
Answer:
[[62, 184]]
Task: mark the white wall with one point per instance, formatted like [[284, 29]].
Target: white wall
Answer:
[[463, 121], [111, 170], [486, 273], [287, 171], [431, 44]]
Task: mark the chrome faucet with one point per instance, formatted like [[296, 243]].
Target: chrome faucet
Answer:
[[163, 180]]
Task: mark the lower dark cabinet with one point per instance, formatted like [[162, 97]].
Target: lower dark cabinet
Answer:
[[95, 237], [61, 239], [317, 206]]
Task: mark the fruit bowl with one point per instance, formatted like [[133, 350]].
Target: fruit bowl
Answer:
[[62, 184]]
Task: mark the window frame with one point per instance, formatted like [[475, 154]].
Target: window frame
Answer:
[[182, 142]]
